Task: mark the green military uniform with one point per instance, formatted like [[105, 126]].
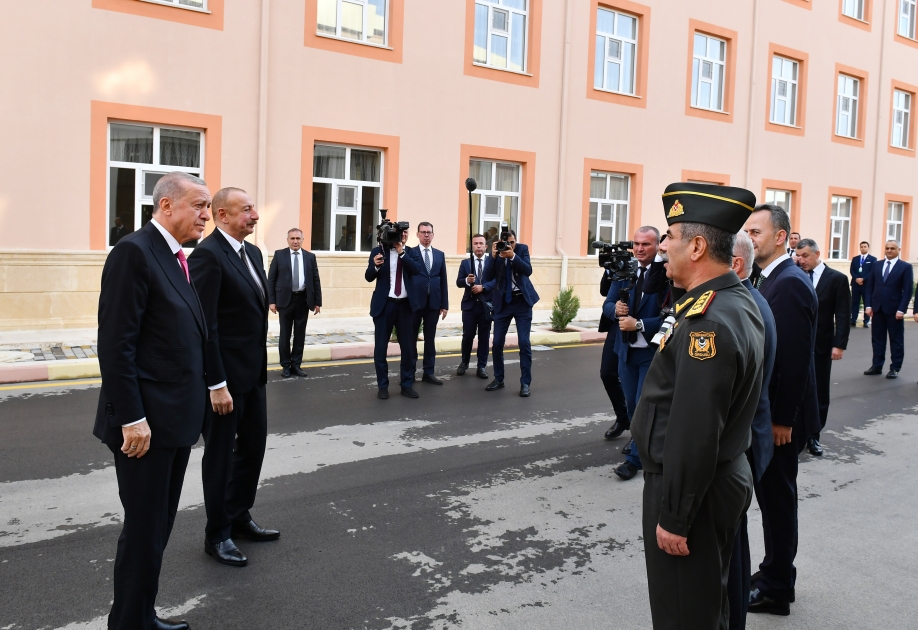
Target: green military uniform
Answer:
[[692, 428]]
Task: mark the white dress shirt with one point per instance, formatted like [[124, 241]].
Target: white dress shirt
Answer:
[[475, 269], [892, 264], [817, 273], [297, 261], [777, 261], [393, 262], [640, 341]]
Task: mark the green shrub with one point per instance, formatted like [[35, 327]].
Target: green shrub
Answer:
[[565, 309]]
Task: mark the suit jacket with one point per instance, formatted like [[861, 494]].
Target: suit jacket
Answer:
[[468, 298], [833, 321], [520, 268], [648, 311], [763, 441], [438, 297], [892, 294], [381, 276], [116, 233], [606, 325], [792, 389], [151, 344], [280, 279], [236, 312], [855, 270]]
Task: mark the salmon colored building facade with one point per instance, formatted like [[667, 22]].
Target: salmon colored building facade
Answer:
[[572, 115]]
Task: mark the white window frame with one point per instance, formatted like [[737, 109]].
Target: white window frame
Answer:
[[895, 216], [854, 9], [840, 227], [339, 9], [772, 196], [790, 86], [604, 43], [493, 6], [178, 5], [359, 185], [500, 195], [902, 119], [908, 17], [717, 80], [847, 106], [140, 198], [619, 210]]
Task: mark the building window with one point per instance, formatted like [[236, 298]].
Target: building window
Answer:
[[346, 194], [201, 5], [846, 116], [361, 21], [781, 198], [841, 224], [907, 9], [610, 195], [709, 58], [138, 156], [853, 9], [895, 212], [902, 113], [497, 199], [784, 91], [616, 51], [500, 34]]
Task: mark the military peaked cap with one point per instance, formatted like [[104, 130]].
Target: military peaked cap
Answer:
[[724, 207]]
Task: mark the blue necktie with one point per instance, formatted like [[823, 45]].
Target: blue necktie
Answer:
[[508, 292], [886, 271]]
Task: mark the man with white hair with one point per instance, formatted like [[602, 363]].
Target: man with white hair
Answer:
[[889, 288]]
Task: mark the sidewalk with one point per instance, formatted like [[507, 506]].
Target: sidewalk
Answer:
[[42, 355]]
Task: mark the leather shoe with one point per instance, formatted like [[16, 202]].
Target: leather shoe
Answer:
[[494, 385], [617, 429], [461, 369], [524, 391], [755, 578], [409, 392], [626, 470], [873, 371], [892, 374], [226, 552], [251, 531], [383, 393], [169, 624], [430, 378], [481, 373], [758, 603], [626, 449], [814, 447], [297, 371], [285, 372]]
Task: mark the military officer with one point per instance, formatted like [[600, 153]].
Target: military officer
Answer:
[[692, 425]]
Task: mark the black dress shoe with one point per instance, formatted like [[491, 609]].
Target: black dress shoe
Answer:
[[618, 428], [226, 552], [299, 372], [892, 374], [285, 372], [758, 603], [524, 391], [461, 369], [169, 624], [626, 470], [494, 385], [626, 449], [481, 373], [383, 393], [873, 371], [814, 447], [251, 531], [409, 392], [430, 378], [755, 578]]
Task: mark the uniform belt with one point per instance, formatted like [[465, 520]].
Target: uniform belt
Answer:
[[517, 294], [392, 299]]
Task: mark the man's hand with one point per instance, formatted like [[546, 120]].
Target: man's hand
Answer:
[[900, 315], [136, 439], [470, 279], [628, 324], [443, 312], [915, 316], [859, 280], [507, 253], [273, 308], [868, 312], [478, 289], [318, 310], [378, 260], [671, 543], [837, 354], [781, 434], [399, 247], [221, 401], [621, 309]]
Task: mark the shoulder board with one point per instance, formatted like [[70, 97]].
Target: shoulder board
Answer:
[[701, 304], [679, 307]]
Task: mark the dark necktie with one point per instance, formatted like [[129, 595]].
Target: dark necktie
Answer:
[[639, 287], [478, 275], [508, 292], [296, 271], [810, 273], [245, 261], [427, 264], [886, 270], [398, 277]]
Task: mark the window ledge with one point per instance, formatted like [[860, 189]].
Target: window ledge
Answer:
[[713, 111], [902, 148], [484, 65], [341, 39], [177, 6], [909, 38], [856, 19], [784, 125], [838, 135], [616, 93]]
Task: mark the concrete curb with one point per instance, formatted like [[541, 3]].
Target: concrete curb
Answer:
[[89, 368]]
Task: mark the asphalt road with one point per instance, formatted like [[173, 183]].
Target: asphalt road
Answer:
[[463, 509]]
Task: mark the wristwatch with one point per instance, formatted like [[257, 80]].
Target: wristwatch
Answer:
[[639, 325]]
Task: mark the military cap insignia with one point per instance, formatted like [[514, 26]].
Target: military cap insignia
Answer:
[[701, 304], [701, 345], [676, 210]]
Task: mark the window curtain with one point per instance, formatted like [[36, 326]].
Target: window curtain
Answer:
[[179, 148], [130, 143], [364, 166], [328, 162]]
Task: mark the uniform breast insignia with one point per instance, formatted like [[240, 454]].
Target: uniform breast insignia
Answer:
[[676, 210], [679, 307], [701, 346], [701, 304]]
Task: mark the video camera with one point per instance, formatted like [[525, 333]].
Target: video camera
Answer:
[[503, 244], [389, 233], [618, 259]]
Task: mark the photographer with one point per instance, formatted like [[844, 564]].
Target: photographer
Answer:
[[514, 297], [475, 307], [392, 270], [608, 368]]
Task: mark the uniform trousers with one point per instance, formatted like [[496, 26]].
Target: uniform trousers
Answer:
[[474, 322], [429, 316], [234, 450], [739, 584], [823, 365], [886, 324], [608, 372], [690, 592], [150, 488], [519, 311], [397, 313], [293, 318], [858, 291]]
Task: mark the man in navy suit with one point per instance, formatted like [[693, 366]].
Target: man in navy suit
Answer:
[[794, 410], [514, 296], [430, 299], [861, 267], [392, 269], [476, 301], [889, 288]]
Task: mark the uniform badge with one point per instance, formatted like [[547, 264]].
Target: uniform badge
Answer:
[[701, 346], [701, 304], [679, 307], [676, 210]]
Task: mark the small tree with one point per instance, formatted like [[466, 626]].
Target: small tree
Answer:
[[565, 309]]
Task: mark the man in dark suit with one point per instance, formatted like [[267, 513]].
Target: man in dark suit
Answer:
[[151, 406], [861, 267], [514, 296], [294, 289], [608, 367], [430, 299], [392, 268], [794, 410], [476, 301], [889, 288], [832, 327], [116, 232], [230, 277]]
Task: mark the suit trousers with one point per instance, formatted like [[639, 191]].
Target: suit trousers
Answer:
[[885, 324], [608, 372], [234, 449], [690, 592], [474, 323], [399, 315], [858, 292], [823, 365], [739, 583], [293, 316], [429, 317], [150, 488], [521, 313]]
